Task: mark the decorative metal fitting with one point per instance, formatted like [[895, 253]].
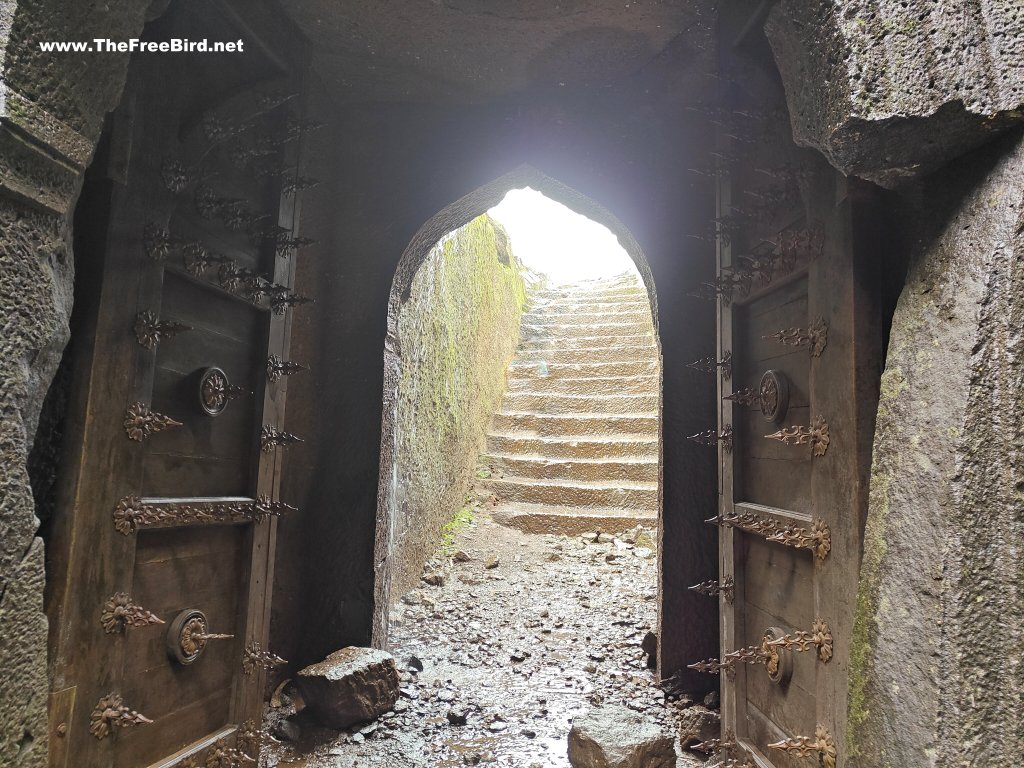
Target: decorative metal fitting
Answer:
[[150, 330], [119, 613], [821, 744], [198, 259], [773, 396], [217, 130], [188, 635], [710, 365], [274, 99], [711, 437], [111, 713], [157, 242], [726, 588], [254, 657], [814, 338], [800, 245], [818, 539], [298, 184], [296, 128], [215, 391], [713, 666], [816, 435], [174, 174], [286, 245], [725, 743], [276, 368], [280, 302], [271, 436], [223, 756], [745, 396], [133, 513], [819, 637], [249, 738], [140, 422]]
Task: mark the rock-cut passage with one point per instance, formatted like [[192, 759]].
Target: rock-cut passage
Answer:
[[574, 444]]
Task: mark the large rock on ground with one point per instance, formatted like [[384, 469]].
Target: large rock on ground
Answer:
[[350, 686], [697, 724], [616, 737]]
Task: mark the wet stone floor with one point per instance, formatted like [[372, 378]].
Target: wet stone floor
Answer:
[[518, 634]]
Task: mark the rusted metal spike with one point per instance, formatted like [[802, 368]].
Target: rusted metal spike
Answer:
[[255, 657], [710, 365], [820, 744], [711, 437], [726, 587], [298, 184], [119, 613], [111, 713], [280, 302], [818, 539], [140, 422], [711, 666], [815, 338], [745, 396], [223, 756], [815, 435], [276, 368], [267, 507], [710, 746], [150, 330], [157, 242], [820, 637], [271, 436]]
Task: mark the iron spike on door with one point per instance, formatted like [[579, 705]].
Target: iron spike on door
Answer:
[[271, 436], [815, 338], [818, 539], [711, 437], [133, 513], [710, 365], [119, 613], [725, 744], [279, 302], [157, 242], [255, 657], [140, 422], [276, 368], [225, 756], [150, 330], [712, 666], [111, 713], [819, 637], [815, 435], [714, 588], [821, 744]]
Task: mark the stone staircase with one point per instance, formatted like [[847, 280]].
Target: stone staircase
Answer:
[[574, 445]]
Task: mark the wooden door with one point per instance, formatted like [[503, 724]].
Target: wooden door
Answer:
[[163, 555], [798, 365]]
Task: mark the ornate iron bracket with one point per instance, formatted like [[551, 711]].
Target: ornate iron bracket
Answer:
[[816, 435], [140, 422], [818, 539], [119, 613], [815, 338], [819, 637], [271, 436], [276, 368], [223, 756], [150, 330], [298, 184], [215, 391], [157, 242], [254, 657], [711, 437], [820, 744], [133, 513], [111, 713], [724, 744], [726, 588], [188, 635], [710, 365], [281, 301], [174, 175]]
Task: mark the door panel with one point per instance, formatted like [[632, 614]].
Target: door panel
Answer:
[[171, 507]]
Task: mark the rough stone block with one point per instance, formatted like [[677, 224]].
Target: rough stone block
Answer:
[[698, 723], [616, 737], [890, 89], [350, 686]]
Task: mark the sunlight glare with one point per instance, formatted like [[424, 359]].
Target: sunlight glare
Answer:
[[549, 238]]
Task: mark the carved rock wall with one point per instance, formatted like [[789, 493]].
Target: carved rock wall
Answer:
[[457, 331], [891, 89], [51, 111], [936, 676]]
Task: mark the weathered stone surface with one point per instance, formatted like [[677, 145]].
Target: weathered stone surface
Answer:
[[350, 686], [936, 678], [698, 723], [889, 90], [616, 737]]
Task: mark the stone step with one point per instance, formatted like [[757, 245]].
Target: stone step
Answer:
[[605, 446], [569, 317], [643, 341], [606, 355], [599, 327], [609, 293], [533, 371], [556, 403], [644, 383], [575, 424], [544, 468], [571, 521], [587, 304], [574, 493]]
